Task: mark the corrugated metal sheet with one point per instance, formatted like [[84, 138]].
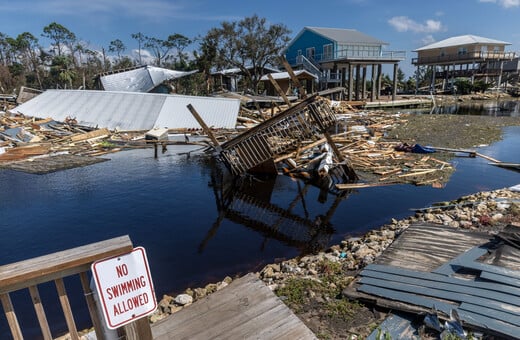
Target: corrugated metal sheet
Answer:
[[285, 75], [142, 79], [137, 80], [130, 110], [216, 112]]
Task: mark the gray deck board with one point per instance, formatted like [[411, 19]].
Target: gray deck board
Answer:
[[461, 290], [246, 309], [480, 321], [442, 294], [425, 247], [376, 270]]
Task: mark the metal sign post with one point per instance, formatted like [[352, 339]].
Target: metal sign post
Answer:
[[125, 288]]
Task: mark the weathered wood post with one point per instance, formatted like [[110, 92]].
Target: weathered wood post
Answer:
[[206, 129]]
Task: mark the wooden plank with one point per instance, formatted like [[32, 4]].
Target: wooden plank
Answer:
[[101, 133], [206, 129], [490, 325], [279, 90], [492, 313], [92, 306], [244, 309], [499, 278], [514, 274], [67, 311], [464, 290], [138, 330], [40, 313], [472, 254], [46, 268], [440, 278], [440, 294], [426, 246], [473, 319], [10, 315]]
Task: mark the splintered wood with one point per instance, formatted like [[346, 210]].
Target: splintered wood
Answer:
[[360, 138]]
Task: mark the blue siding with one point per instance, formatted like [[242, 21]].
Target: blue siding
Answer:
[[305, 40]]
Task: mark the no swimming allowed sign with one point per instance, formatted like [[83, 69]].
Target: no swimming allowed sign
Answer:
[[125, 287]]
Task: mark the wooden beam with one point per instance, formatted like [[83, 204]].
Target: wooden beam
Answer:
[[295, 79], [279, 89], [206, 129]]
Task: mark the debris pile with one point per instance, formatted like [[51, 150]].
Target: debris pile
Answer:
[[360, 138], [23, 138]]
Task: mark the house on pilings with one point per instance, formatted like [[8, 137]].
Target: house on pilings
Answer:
[[343, 57], [467, 56]]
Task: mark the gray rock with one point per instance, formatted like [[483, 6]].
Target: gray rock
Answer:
[[183, 299]]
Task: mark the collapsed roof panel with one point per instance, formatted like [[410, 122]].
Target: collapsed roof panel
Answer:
[[216, 112], [143, 79], [129, 110]]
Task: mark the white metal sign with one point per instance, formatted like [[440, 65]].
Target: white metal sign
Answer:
[[125, 287]]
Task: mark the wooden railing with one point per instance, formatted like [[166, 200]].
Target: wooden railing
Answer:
[[30, 273], [466, 57]]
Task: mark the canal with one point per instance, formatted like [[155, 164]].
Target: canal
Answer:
[[194, 233]]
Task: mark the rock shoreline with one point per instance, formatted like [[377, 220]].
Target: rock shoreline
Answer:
[[488, 211]]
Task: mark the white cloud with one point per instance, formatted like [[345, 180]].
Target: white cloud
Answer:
[[427, 40], [136, 8], [504, 3], [405, 24]]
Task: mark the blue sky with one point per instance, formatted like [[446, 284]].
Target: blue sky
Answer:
[[404, 24]]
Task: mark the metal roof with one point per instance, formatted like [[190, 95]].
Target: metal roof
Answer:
[[285, 75], [130, 111], [348, 36], [142, 79], [216, 112], [237, 70], [462, 40]]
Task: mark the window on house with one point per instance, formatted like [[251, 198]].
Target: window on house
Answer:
[[327, 51], [310, 52], [463, 50]]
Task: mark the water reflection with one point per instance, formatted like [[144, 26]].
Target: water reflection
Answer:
[[247, 201], [494, 108]]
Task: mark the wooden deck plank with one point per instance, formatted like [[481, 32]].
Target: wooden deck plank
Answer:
[[243, 310], [441, 278], [441, 294], [499, 278], [448, 287], [427, 246], [477, 320]]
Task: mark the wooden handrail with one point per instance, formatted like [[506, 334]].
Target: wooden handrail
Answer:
[[50, 267], [54, 267]]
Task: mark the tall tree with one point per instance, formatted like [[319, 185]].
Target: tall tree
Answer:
[[60, 37], [180, 42], [29, 50], [141, 39], [118, 47], [249, 44], [161, 48]]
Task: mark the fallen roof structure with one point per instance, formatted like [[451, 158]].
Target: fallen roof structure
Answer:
[[130, 111], [421, 272], [141, 79]]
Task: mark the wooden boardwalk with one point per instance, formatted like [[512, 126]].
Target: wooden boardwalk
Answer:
[[246, 309]]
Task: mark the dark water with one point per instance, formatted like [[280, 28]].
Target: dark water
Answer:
[[494, 108], [193, 234]]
